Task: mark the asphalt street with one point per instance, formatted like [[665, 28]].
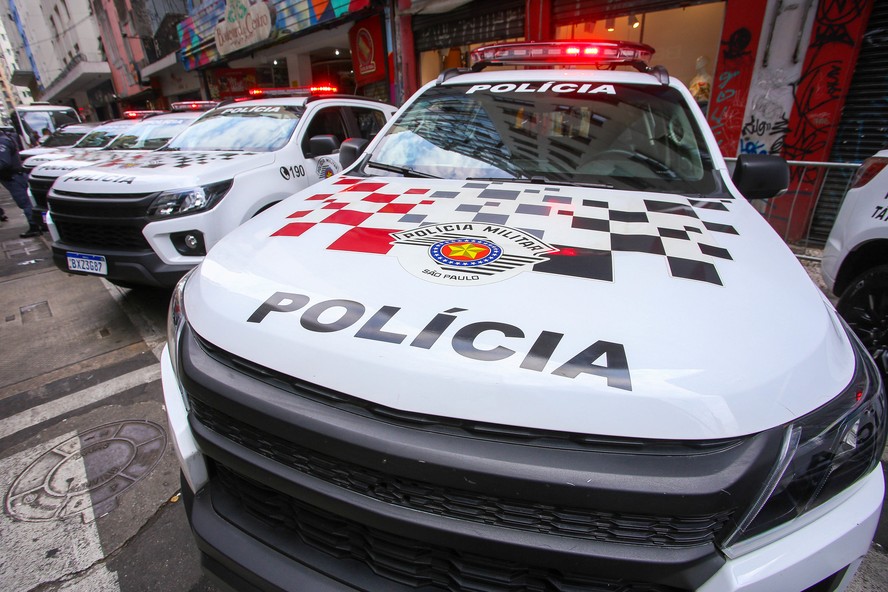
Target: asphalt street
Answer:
[[87, 472]]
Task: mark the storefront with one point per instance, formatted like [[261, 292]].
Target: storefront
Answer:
[[235, 46], [171, 81], [771, 76], [445, 39], [444, 33], [664, 25]]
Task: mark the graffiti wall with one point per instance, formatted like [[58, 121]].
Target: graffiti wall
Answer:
[[818, 98], [734, 71], [782, 47]]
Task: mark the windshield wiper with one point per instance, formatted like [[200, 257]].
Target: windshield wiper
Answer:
[[536, 180], [407, 172]]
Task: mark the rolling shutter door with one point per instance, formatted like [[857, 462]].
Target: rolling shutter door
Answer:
[[566, 12], [863, 129], [476, 22]]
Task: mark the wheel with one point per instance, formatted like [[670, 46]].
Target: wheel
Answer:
[[864, 306]]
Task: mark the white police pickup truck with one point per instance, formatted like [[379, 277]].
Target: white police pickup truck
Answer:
[[96, 139], [125, 137], [855, 259], [147, 219], [533, 338]]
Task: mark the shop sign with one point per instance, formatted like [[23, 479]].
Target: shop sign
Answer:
[[226, 83], [244, 25], [368, 51]]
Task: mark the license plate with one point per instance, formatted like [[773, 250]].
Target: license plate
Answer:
[[87, 263]]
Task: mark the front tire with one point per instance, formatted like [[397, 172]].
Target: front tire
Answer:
[[864, 306]]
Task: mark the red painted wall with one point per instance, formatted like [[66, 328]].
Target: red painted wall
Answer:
[[817, 107], [733, 73]]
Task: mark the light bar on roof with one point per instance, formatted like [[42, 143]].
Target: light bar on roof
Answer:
[[565, 53], [139, 113], [301, 91], [193, 105]]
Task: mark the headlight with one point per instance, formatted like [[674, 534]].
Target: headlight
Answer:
[[175, 324], [824, 452], [184, 201]]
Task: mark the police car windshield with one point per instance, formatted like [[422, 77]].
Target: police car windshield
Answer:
[[639, 137], [256, 128], [102, 136], [150, 134], [36, 121], [61, 138]]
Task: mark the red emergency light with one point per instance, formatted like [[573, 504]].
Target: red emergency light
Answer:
[[193, 105], [565, 53], [140, 113], [287, 91]]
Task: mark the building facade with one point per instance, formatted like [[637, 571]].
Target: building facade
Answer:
[[12, 95], [772, 76], [68, 51], [237, 44], [135, 34]]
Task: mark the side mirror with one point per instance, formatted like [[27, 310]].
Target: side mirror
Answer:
[[322, 145], [351, 150], [761, 176]]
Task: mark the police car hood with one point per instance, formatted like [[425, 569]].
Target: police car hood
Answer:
[[60, 154], [29, 152], [582, 310], [157, 170], [52, 168]]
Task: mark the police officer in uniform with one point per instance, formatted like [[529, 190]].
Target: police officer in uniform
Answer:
[[13, 179]]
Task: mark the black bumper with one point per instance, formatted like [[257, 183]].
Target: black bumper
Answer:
[[143, 268], [306, 486], [237, 561]]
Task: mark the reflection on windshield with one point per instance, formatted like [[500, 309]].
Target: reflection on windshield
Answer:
[[99, 138], [253, 128], [149, 135], [627, 136], [34, 122], [60, 139]]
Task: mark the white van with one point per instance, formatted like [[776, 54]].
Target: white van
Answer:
[[31, 120]]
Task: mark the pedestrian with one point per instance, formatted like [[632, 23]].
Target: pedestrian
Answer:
[[13, 179]]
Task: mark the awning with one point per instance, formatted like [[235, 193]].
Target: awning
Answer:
[[83, 76], [22, 77], [167, 61]]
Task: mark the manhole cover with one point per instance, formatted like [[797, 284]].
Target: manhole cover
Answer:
[[88, 470], [35, 312]]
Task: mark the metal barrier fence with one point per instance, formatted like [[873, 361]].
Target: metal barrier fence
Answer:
[[812, 202]]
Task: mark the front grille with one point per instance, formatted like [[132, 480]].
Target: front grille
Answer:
[[104, 221], [651, 510], [584, 523], [398, 558], [39, 189], [102, 196], [103, 236], [97, 209]]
